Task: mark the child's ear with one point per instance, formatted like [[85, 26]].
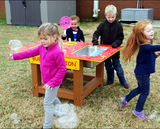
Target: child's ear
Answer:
[[78, 23], [55, 37]]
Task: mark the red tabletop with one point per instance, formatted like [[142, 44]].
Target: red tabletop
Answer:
[[70, 47]]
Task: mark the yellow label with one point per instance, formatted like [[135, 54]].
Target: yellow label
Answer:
[[70, 63], [35, 60]]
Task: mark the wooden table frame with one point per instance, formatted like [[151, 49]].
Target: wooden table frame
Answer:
[[79, 91]]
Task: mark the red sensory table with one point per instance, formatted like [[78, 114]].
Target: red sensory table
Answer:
[[76, 63]]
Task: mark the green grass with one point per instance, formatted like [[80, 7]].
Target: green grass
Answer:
[[2, 20], [100, 109]]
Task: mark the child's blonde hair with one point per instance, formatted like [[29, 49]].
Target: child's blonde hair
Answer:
[[136, 39], [110, 10], [75, 17], [50, 29]]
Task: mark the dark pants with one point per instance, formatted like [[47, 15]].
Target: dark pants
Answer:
[[111, 65], [143, 89]]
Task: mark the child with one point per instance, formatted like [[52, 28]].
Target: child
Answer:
[[141, 39], [111, 33], [52, 65], [74, 32]]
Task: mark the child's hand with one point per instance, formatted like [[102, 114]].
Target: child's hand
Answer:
[[46, 86], [64, 35], [157, 54], [81, 40], [114, 45]]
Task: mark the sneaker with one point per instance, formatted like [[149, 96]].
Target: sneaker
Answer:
[[107, 83], [139, 114], [126, 86], [122, 102]]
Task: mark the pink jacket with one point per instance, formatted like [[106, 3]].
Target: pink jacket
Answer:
[[52, 63]]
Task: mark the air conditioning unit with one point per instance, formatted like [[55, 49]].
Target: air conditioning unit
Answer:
[[136, 14]]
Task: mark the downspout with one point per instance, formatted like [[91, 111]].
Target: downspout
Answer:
[[95, 9], [142, 4], [137, 4]]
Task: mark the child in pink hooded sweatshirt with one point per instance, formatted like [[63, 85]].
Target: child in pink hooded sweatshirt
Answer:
[[52, 65]]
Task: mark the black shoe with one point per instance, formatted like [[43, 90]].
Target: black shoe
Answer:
[[107, 83], [127, 86]]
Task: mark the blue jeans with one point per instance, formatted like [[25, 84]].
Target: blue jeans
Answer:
[[143, 89], [110, 65]]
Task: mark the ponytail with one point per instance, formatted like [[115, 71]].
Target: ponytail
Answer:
[[59, 40]]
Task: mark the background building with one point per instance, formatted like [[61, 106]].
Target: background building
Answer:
[[84, 8], [2, 9]]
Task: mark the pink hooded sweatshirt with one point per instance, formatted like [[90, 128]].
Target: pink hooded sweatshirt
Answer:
[[52, 63]]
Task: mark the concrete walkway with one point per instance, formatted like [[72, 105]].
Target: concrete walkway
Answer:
[[156, 24]]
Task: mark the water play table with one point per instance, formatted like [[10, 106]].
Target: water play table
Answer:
[[76, 59]]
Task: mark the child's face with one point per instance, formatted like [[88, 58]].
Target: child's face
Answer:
[[110, 18], [148, 31], [46, 40], [74, 25]]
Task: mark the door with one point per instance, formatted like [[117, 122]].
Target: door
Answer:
[[17, 12], [33, 16], [25, 12]]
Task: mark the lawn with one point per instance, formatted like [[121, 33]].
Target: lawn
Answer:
[[100, 109]]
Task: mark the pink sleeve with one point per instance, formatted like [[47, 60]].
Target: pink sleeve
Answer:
[[26, 54]]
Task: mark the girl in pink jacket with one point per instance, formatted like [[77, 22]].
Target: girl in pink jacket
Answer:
[[52, 65]]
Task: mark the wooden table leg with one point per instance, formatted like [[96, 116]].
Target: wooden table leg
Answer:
[[36, 79], [79, 91], [78, 85], [100, 72]]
